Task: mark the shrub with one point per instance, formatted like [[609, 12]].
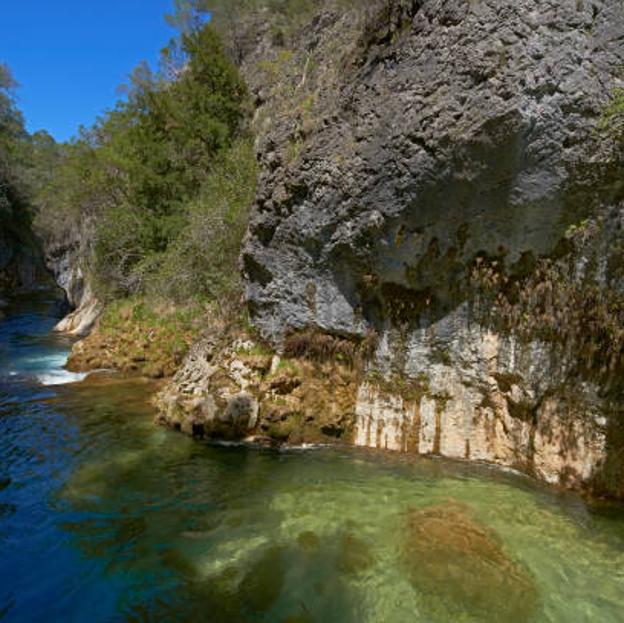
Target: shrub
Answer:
[[203, 260], [164, 197], [320, 347]]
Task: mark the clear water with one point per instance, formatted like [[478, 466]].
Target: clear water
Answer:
[[106, 517]]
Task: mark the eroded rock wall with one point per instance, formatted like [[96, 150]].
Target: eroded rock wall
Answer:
[[432, 183], [445, 131], [492, 400], [68, 261]]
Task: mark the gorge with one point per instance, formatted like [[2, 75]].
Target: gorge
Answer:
[[371, 259]]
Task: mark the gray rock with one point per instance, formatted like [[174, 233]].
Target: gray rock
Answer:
[[441, 132], [241, 412], [454, 129]]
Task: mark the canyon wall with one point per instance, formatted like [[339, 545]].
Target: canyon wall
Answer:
[[68, 261], [434, 191], [430, 146]]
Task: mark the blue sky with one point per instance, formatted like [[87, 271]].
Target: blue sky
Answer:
[[70, 56]]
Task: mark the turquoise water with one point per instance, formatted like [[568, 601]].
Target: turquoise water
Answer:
[[106, 517]]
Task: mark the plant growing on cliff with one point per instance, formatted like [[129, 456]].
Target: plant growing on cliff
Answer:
[[579, 317], [612, 120], [573, 299], [202, 260]]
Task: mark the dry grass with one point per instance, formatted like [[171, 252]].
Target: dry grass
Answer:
[[320, 347]]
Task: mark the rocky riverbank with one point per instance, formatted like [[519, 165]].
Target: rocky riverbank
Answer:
[[137, 337], [432, 176], [319, 390], [238, 389], [433, 262]]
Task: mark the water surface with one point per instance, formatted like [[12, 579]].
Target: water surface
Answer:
[[106, 517]]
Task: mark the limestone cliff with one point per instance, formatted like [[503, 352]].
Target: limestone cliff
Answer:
[[67, 260], [432, 183]]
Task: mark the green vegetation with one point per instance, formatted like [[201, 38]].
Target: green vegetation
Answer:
[[24, 163], [289, 367], [14, 216], [163, 181], [202, 260], [227, 14], [257, 350], [142, 336], [612, 120]]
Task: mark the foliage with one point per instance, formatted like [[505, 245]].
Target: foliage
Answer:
[[231, 17], [141, 335], [70, 191], [11, 134], [24, 161], [188, 14], [145, 171], [612, 120], [317, 346], [202, 261]]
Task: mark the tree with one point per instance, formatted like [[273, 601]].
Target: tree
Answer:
[[137, 170], [13, 193]]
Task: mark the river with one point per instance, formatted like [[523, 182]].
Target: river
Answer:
[[105, 516]]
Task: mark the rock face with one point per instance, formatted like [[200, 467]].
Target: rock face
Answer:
[[455, 129], [80, 321], [233, 389], [482, 409], [431, 175], [65, 261]]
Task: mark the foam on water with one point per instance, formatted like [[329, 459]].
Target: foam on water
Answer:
[[46, 366], [60, 377], [106, 517]]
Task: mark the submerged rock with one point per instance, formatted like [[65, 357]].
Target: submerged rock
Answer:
[[449, 557], [308, 541], [264, 581], [354, 555]]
